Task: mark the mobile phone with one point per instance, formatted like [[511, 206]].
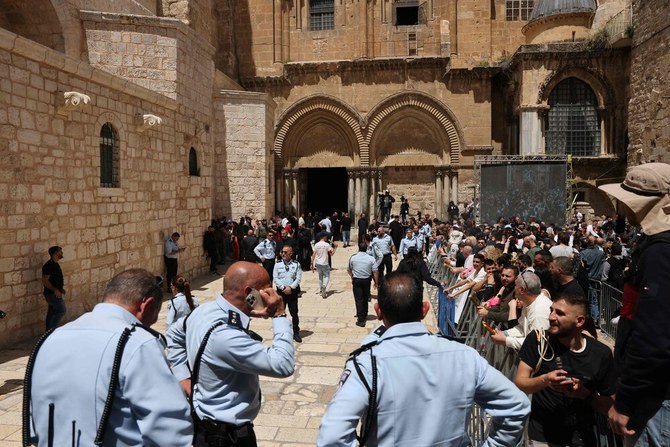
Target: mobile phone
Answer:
[[488, 327], [254, 299]]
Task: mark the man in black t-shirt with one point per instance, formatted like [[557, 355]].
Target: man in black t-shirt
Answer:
[[570, 375], [52, 280]]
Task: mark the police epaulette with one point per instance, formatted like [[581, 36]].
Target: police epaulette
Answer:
[[153, 332], [234, 319], [380, 330], [363, 348]]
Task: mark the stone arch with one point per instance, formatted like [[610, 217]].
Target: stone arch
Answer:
[[602, 89], [418, 104], [37, 20], [327, 116]]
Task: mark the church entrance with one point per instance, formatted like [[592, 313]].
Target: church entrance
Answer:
[[324, 189]]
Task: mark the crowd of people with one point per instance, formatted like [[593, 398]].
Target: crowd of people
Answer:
[[108, 379]]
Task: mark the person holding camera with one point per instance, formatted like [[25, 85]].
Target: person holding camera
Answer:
[[218, 360]]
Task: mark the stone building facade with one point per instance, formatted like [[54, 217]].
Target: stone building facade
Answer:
[[123, 121]]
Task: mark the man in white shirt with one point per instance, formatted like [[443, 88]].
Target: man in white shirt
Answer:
[[535, 313], [322, 250]]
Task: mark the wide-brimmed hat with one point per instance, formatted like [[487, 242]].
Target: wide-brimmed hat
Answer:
[[646, 193]]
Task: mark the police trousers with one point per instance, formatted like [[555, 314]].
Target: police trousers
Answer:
[[361, 289], [220, 434]]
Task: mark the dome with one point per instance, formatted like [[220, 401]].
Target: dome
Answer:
[[548, 8]]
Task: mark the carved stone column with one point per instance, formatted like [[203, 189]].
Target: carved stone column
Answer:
[[351, 192], [454, 187], [446, 192], [287, 191], [365, 193], [438, 209], [279, 190], [294, 192]]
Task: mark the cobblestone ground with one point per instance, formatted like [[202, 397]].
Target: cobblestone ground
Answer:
[[292, 407]]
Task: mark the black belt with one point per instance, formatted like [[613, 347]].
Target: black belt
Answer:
[[224, 428], [363, 279], [387, 254]]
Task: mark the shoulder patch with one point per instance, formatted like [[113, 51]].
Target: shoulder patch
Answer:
[[234, 319], [343, 378], [380, 330]]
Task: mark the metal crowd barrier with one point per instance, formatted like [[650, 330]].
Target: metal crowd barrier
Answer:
[[470, 331]]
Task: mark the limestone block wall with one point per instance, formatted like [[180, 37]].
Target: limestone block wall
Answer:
[[417, 184], [649, 106], [244, 161], [50, 177]]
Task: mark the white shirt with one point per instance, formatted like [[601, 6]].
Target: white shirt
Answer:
[[321, 249], [533, 316]]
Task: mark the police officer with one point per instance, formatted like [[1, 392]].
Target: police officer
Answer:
[[362, 269], [384, 244], [373, 250], [404, 371], [410, 240], [266, 251], [71, 382], [286, 275], [224, 386]]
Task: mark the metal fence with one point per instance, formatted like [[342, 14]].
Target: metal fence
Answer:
[[470, 331]]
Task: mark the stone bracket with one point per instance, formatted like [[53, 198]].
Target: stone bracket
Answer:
[[145, 121], [71, 101]]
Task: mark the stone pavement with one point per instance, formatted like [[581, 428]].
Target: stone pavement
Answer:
[[292, 407]]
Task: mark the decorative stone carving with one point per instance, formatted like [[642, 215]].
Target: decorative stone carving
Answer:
[[147, 121], [72, 101]]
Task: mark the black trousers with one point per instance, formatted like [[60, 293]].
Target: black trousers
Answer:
[[385, 265], [213, 260], [269, 266], [291, 302], [222, 435], [361, 288], [171, 265]]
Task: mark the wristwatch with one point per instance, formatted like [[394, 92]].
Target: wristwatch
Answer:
[[279, 316]]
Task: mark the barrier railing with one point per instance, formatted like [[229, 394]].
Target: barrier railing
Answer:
[[470, 330]]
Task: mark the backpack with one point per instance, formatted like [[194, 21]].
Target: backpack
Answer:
[[616, 275]]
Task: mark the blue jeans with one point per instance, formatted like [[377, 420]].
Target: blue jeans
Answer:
[[345, 238], [657, 431], [594, 305], [56, 310], [324, 275]]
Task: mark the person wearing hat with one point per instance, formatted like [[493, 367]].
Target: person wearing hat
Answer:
[[386, 203], [642, 351]]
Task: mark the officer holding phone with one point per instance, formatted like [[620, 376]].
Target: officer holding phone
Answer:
[[286, 275], [218, 360]]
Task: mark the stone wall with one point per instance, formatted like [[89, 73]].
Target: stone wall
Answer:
[[416, 184], [649, 107], [244, 169], [51, 176]]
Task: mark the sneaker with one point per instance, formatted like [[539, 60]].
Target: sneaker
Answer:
[[360, 323], [297, 337], [323, 293]]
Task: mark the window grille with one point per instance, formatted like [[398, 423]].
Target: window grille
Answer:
[[572, 123], [109, 157], [193, 169], [518, 9], [321, 15]]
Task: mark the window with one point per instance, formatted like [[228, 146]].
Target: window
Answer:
[[109, 157], [406, 12], [321, 15], [518, 9], [572, 124], [193, 169]]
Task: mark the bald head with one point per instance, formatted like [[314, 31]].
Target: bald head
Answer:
[[241, 277]]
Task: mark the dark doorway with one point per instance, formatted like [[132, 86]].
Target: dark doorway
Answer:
[[326, 190]]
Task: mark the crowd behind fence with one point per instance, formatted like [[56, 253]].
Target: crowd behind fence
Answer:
[[469, 330]]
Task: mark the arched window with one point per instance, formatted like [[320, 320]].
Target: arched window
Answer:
[[572, 124], [193, 169], [109, 157]]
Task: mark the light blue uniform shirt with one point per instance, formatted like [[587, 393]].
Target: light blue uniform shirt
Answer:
[[426, 230], [426, 388], [178, 308], [73, 370], [361, 265], [287, 274], [406, 243], [383, 244], [228, 388], [266, 249], [376, 254], [171, 246]]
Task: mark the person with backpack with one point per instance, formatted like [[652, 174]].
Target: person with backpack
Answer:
[[642, 350], [614, 268]]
